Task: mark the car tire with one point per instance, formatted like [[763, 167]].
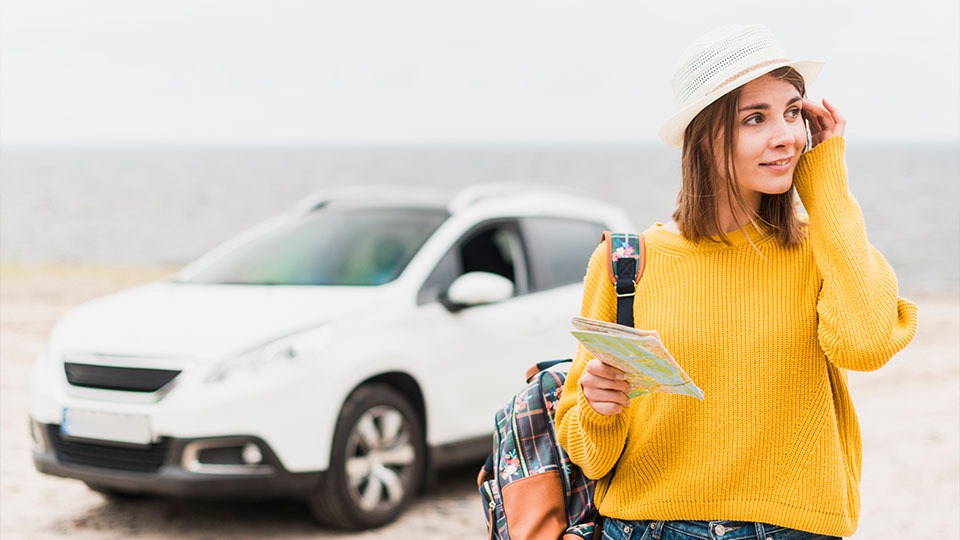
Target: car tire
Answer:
[[376, 464]]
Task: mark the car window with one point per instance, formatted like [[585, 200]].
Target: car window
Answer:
[[492, 247], [559, 249], [346, 246], [442, 276]]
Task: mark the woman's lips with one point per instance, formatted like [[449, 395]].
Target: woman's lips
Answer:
[[778, 165]]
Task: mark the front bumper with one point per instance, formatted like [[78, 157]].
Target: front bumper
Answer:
[[170, 466]]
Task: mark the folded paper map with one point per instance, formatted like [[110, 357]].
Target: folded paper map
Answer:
[[639, 354]]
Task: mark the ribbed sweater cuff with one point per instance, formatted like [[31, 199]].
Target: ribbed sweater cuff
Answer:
[[596, 424], [821, 175]]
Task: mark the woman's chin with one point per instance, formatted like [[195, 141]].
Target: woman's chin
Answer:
[[778, 187]]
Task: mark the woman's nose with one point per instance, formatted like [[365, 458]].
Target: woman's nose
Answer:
[[784, 134]]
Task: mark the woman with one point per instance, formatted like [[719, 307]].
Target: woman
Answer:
[[763, 308]]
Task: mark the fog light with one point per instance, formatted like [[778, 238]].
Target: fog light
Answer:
[[252, 454], [227, 455]]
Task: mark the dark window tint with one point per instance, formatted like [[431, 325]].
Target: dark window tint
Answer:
[[368, 246], [559, 249], [491, 247]]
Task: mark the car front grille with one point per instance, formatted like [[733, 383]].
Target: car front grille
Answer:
[[143, 459], [129, 379]]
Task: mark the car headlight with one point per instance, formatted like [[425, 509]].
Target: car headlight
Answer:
[[273, 357]]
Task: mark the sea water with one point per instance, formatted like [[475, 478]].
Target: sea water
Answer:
[[166, 206]]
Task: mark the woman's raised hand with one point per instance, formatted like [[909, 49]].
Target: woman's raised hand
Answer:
[[824, 120], [605, 387]]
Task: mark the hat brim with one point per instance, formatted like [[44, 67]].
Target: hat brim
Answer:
[[672, 131]]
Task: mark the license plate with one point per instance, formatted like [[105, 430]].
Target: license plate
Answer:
[[106, 426]]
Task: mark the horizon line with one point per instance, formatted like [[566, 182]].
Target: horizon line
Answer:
[[426, 143]]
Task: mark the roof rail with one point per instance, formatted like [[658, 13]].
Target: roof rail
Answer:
[[366, 192], [479, 192]]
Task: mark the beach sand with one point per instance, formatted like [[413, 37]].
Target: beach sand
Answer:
[[909, 413]]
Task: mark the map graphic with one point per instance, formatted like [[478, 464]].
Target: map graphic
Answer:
[[639, 354]]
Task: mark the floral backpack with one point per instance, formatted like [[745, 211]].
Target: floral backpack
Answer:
[[529, 486]]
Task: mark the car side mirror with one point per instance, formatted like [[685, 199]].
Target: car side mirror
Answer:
[[477, 288]]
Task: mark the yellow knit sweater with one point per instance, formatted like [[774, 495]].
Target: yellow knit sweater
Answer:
[[768, 338]]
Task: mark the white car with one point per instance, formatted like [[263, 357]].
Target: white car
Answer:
[[340, 352]]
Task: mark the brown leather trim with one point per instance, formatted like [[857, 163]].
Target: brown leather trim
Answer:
[[641, 257], [531, 371], [534, 507], [606, 239]]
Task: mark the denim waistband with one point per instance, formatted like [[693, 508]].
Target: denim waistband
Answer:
[[707, 530]]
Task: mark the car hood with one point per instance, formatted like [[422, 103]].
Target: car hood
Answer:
[[203, 321]]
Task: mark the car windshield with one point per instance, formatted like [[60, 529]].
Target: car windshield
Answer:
[[367, 246]]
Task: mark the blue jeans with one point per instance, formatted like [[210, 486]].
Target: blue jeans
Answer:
[[616, 529]]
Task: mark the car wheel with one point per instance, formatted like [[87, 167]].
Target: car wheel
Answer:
[[376, 464]]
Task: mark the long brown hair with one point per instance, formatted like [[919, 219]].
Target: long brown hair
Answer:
[[709, 143]]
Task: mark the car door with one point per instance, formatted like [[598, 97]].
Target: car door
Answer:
[[478, 355]]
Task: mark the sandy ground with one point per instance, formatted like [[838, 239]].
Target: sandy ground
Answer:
[[909, 411]]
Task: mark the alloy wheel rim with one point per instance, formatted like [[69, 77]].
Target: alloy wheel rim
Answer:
[[380, 459]]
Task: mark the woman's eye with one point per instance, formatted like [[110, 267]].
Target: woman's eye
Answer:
[[753, 120], [793, 112]]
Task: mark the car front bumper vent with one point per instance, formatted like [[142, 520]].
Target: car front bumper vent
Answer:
[[128, 379], [143, 459]]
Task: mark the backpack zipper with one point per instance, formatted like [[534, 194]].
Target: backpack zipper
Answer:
[[491, 513], [557, 449], [492, 505], [495, 472], [516, 440]]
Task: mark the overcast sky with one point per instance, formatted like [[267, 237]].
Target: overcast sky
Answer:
[[439, 71]]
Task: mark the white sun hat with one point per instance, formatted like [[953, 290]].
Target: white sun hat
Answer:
[[721, 61]]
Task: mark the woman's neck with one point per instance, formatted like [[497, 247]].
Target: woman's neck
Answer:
[[729, 219], [732, 219]]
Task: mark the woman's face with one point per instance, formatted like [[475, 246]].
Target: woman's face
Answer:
[[770, 137]]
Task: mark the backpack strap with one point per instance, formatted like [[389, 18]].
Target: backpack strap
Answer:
[[545, 364], [626, 255]]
